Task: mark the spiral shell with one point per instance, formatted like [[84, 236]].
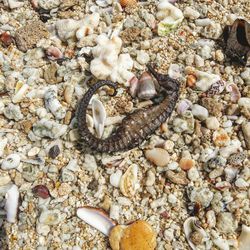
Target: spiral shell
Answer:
[[126, 3]]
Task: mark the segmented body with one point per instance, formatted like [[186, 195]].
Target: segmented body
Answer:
[[137, 126]]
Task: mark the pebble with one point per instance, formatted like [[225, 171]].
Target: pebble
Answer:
[[212, 123], [4, 180], [172, 199], [193, 174], [89, 163], [246, 133], [226, 223], [241, 183], [203, 196], [114, 211], [67, 176], [142, 57], [115, 178], [186, 164], [42, 229], [12, 161], [47, 128], [30, 172], [191, 13], [200, 112], [245, 75], [221, 138], [41, 191], [33, 151], [150, 178], [50, 217], [54, 151], [13, 112], [179, 178], [158, 156]]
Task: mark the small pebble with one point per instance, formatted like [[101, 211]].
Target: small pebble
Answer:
[[199, 112], [158, 156], [54, 151], [212, 123], [41, 191], [11, 161]]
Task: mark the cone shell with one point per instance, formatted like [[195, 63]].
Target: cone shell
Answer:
[[126, 3], [146, 87]]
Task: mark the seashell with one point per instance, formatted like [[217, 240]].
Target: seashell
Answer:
[[6, 39], [194, 233], [216, 88], [12, 161], [41, 191], [53, 53], [20, 93], [134, 86], [99, 116], [138, 235], [205, 80], [50, 217], [170, 17], [3, 143], [11, 205], [158, 156], [96, 218], [221, 138], [52, 103], [244, 239], [183, 105], [127, 3], [234, 91], [146, 87], [129, 182], [115, 178]]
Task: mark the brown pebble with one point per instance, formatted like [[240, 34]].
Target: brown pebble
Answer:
[[41, 191], [54, 151], [186, 164], [6, 39], [179, 178], [191, 80]]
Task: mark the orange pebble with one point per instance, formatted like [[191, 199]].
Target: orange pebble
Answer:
[[126, 3], [191, 80], [186, 164]]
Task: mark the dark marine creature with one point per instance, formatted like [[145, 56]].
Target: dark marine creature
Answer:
[[138, 125], [237, 41]]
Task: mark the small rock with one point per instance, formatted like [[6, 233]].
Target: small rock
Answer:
[[236, 159], [203, 196], [90, 163], [42, 229], [41, 191], [158, 156], [54, 151], [179, 178], [10, 162], [241, 183], [193, 174], [226, 223], [191, 13], [200, 112], [142, 57], [30, 172], [246, 133], [13, 112], [115, 178], [67, 176], [150, 178], [186, 164], [212, 123], [64, 189], [221, 138], [50, 217]]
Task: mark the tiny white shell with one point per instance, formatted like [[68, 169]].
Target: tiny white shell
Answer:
[[96, 218], [20, 93], [99, 116], [11, 204]]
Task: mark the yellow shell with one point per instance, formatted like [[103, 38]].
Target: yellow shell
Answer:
[[126, 3]]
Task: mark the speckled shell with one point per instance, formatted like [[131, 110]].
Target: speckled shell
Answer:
[[126, 3]]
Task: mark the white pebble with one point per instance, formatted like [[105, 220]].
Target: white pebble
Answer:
[[172, 198], [12, 161], [90, 163], [212, 123], [191, 13], [173, 166], [115, 178], [193, 174], [142, 57], [200, 112], [114, 212]]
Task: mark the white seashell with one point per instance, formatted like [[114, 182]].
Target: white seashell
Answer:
[[191, 225], [205, 80], [99, 116], [146, 87], [20, 93], [115, 178], [234, 91], [183, 105], [50, 217], [216, 88], [158, 156], [3, 143], [12, 161], [96, 218], [170, 17], [129, 182], [244, 239], [52, 103], [200, 112], [11, 205]]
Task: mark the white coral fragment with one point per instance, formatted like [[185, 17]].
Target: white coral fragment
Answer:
[[107, 63], [11, 204], [205, 80], [170, 17]]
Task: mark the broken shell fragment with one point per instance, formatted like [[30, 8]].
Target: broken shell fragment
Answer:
[[234, 91], [146, 87], [129, 182], [99, 116], [53, 53], [183, 105], [138, 235], [11, 204], [216, 88], [244, 239], [194, 233], [20, 93], [96, 218], [170, 17]]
